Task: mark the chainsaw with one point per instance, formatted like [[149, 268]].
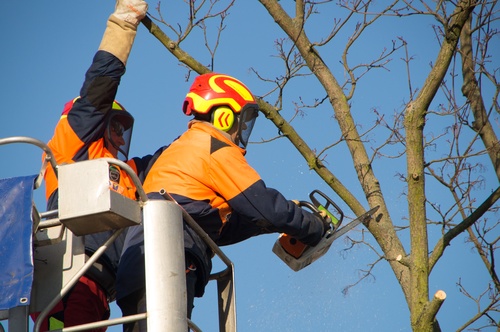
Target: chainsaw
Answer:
[[298, 255]]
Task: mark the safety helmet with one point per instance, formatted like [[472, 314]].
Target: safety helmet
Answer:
[[117, 120], [226, 100]]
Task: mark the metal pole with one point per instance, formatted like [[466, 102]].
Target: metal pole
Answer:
[[166, 297], [18, 318], [92, 259]]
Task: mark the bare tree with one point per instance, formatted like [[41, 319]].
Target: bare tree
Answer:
[[452, 94]]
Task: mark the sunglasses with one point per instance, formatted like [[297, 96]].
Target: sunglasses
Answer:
[[117, 127]]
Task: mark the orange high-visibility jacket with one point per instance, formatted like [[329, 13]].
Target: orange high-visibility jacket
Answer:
[[77, 137], [79, 134], [208, 175]]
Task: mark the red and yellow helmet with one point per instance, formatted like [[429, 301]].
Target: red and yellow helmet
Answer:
[[213, 89]]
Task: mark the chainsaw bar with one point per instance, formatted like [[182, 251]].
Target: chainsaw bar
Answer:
[[311, 254], [361, 219]]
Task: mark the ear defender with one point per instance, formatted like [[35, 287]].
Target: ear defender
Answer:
[[223, 118]]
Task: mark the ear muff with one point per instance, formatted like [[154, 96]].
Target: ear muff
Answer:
[[223, 118]]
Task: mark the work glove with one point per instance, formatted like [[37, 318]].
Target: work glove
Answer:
[[327, 221], [131, 11], [323, 216], [121, 28]]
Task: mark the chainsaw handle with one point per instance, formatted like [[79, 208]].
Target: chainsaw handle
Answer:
[[326, 206], [312, 208]]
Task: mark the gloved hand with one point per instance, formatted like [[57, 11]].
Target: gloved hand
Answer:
[[324, 217], [327, 221], [121, 28], [131, 11]]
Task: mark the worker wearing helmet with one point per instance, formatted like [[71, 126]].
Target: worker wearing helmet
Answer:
[[206, 172], [92, 126], [84, 133]]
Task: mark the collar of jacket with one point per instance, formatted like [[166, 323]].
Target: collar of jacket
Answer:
[[214, 132]]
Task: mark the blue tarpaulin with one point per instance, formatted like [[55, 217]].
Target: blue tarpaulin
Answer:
[[16, 226]]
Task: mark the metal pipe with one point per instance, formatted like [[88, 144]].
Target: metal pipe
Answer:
[[166, 295], [49, 214], [23, 139], [49, 223], [75, 278], [109, 322], [18, 318]]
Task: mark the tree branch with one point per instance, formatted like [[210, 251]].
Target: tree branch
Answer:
[[174, 48], [472, 92], [428, 315], [467, 222]]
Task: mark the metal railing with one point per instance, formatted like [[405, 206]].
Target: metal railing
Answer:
[[164, 257]]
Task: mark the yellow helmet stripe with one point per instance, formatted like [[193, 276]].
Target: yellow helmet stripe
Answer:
[[232, 83], [203, 106], [240, 89]]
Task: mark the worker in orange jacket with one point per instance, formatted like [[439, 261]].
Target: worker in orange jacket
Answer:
[[92, 126], [206, 172]]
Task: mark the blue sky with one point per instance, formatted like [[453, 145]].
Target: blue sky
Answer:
[[46, 49]]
